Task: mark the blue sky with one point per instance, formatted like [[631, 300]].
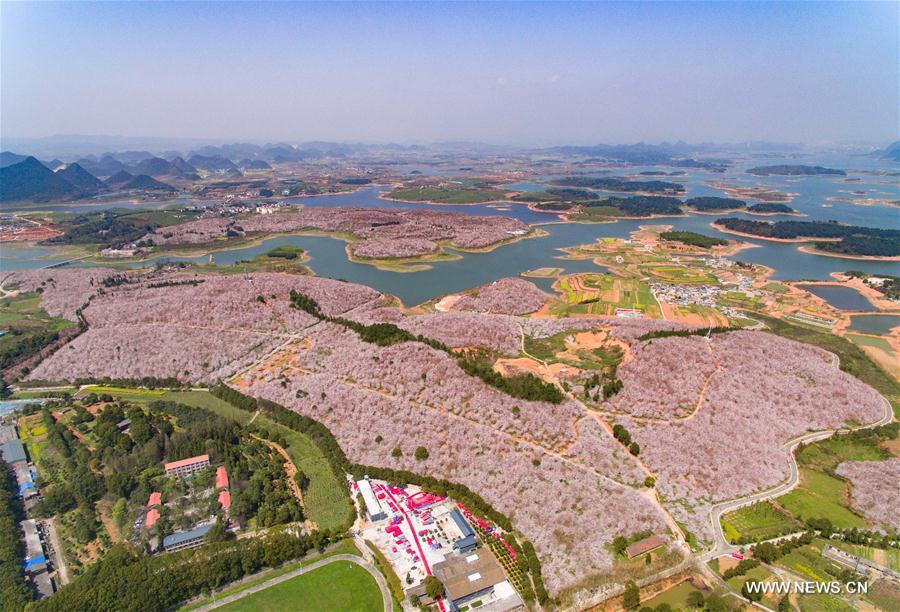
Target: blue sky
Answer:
[[520, 73]]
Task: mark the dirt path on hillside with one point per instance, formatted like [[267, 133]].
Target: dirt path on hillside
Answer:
[[291, 470]]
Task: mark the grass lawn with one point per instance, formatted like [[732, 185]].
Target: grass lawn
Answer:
[[346, 547], [340, 585], [759, 522]]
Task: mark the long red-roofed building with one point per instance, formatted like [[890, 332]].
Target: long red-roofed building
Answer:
[[221, 477], [152, 517], [186, 467], [225, 500]]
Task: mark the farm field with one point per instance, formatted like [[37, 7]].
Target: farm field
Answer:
[[34, 435], [340, 585], [28, 327], [759, 521], [601, 294], [670, 273], [676, 597], [821, 496], [887, 557]]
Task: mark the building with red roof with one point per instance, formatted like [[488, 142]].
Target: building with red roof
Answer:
[[225, 500], [152, 517], [186, 467], [155, 499], [221, 477]]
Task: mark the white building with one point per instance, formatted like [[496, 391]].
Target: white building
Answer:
[[373, 506]]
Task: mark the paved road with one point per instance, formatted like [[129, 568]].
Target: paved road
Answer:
[[382, 583]]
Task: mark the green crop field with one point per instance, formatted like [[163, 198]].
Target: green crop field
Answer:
[[208, 401], [340, 585], [821, 496], [889, 557], [28, 327], [676, 597], [823, 603], [134, 395], [601, 294], [678, 274], [758, 522]]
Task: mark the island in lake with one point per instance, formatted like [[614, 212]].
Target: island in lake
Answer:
[[799, 170], [828, 237]]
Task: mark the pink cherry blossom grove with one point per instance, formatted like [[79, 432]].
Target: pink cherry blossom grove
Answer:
[[712, 416], [504, 296], [382, 233], [875, 493]]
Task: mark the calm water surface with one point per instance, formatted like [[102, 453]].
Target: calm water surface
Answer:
[[329, 257], [842, 298], [880, 324]]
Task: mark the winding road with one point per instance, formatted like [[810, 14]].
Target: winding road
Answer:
[[722, 547]]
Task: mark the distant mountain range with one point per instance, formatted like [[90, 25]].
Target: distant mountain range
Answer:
[[31, 180], [890, 152]]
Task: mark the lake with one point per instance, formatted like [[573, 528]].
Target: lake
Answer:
[[329, 257], [878, 324], [842, 298]]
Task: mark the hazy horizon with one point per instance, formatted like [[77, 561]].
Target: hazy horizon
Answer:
[[503, 74]]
